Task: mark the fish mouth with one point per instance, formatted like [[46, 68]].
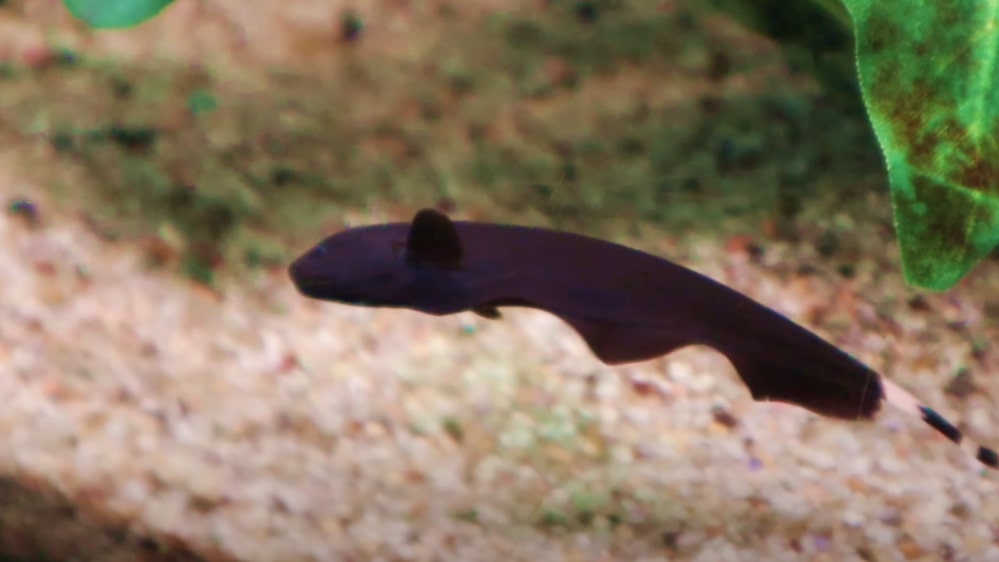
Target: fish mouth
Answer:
[[307, 282], [321, 287], [312, 288]]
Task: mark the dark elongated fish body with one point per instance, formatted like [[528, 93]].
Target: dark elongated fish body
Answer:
[[626, 304]]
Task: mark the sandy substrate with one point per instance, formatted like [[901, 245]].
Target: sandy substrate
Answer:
[[256, 425]]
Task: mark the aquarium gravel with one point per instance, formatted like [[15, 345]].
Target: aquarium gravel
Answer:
[[252, 424]]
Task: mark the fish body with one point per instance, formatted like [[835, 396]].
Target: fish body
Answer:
[[626, 304]]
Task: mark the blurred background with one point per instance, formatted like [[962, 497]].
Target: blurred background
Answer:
[[230, 132]]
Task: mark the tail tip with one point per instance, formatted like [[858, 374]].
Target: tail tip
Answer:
[[988, 457]]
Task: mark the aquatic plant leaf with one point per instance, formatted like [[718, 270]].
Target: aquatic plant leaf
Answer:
[[115, 14], [929, 73]]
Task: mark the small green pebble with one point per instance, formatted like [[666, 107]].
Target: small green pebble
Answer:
[[201, 102], [453, 428]]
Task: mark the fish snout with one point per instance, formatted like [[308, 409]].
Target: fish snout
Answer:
[[307, 272]]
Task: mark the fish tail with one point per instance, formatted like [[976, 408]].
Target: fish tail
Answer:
[[905, 401]]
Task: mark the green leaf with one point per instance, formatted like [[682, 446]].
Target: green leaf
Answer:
[[115, 14], [929, 72]]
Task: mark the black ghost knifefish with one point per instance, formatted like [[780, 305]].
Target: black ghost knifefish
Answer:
[[627, 305]]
